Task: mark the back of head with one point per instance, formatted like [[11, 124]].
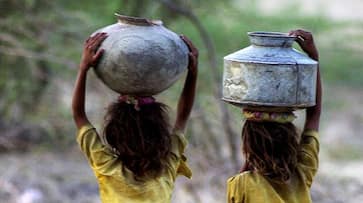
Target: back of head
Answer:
[[140, 136], [270, 148]]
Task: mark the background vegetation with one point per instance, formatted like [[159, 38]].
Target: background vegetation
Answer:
[[40, 46]]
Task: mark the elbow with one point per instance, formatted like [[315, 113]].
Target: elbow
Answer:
[[78, 115], [75, 113]]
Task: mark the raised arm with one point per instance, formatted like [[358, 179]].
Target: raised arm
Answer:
[[89, 59], [308, 158], [306, 42], [186, 99]]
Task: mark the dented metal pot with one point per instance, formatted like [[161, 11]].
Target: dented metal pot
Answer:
[[141, 56], [269, 74]]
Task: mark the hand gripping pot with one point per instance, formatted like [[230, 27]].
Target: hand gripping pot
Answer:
[[269, 75], [141, 57]]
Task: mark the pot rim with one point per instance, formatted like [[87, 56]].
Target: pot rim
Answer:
[[137, 20], [269, 34], [299, 105]]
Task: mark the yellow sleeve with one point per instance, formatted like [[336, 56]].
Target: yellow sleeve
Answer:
[[99, 156], [308, 155], [236, 189], [178, 146]]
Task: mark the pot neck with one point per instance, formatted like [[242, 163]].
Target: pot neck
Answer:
[[271, 39]]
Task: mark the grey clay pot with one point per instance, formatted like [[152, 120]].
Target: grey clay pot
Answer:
[[141, 56]]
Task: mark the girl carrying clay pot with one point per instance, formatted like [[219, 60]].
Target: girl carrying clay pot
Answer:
[[146, 154]]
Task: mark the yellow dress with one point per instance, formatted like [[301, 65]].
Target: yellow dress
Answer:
[[252, 187], [118, 185]]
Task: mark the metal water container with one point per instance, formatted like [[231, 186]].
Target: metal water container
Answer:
[[269, 74], [141, 56]]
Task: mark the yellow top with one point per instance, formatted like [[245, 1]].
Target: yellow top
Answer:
[[250, 186], [117, 184]]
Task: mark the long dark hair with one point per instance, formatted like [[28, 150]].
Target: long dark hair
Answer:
[[141, 138], [270, 148]]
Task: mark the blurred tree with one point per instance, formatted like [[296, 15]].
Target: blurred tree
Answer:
[[36, 33], [172, 10], [185, 9], [32, 44]]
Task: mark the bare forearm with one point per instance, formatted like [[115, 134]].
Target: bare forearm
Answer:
[[186, 100], [78, 102], [90, 57], [305, 40], [314, 54]]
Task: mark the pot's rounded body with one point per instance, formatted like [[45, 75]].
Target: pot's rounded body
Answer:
[[141, 57], [269, 74]]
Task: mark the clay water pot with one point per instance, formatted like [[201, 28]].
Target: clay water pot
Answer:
[[141, 56], [269, 75]]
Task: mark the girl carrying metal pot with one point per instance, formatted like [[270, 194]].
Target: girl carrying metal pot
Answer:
[[279, 164]]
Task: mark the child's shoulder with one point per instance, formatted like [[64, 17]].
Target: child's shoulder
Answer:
[[236, 184], [239, 177], [249, 177]]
